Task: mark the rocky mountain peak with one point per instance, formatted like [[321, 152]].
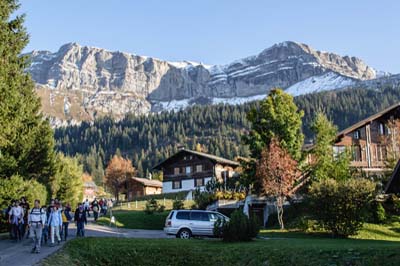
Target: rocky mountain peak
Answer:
[[81, 82]]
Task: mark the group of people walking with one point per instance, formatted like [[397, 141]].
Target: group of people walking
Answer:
[[99, 207], [50, 222], [43, 223]]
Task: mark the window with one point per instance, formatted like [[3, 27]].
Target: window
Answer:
[[176, 184], [199, 216], [184, 158], [381, 129], [188, 170], [215, 216], [183, 215], [357, 134], [176, 171], [170, 215], [199, 182], [337, 150], [199, 168], [190, 157]]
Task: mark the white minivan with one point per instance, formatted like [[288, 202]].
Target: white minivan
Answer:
[[187, 223]]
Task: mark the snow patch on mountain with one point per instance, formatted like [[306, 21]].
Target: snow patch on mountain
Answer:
[[328, 81]]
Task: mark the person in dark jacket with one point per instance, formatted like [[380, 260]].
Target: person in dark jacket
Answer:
[[95, 208], [80, 221]]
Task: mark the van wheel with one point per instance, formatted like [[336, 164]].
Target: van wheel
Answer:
[[184, 234]]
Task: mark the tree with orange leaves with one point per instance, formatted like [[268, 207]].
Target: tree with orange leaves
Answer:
[[118, 171], [277, 172]]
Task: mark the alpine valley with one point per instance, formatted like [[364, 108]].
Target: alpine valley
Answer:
[[80, 83]]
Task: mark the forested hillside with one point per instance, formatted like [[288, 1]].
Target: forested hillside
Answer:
[[218, 128]]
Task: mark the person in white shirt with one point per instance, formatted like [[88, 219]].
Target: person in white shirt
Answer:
[[86, 205], [15, 219], [36, 222]]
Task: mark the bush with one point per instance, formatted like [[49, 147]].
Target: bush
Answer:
[[178, 204], [377, 213], [202, 199], [392, 205], [341, 205], [16, 187], [152, 206], [239, 228]]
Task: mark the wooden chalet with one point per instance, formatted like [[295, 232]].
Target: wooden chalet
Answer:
[[367, 140], [137, 187], [188, 170]]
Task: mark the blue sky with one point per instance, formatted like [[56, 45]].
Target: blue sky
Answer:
[[219, 31]]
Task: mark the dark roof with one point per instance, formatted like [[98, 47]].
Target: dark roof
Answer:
[[213, 158], [148, 182], [367, 120], [393, 186]]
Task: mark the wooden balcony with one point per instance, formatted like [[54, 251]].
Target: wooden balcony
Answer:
[[172, 177]]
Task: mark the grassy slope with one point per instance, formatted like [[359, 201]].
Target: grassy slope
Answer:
[[137, 220], [113, 251]]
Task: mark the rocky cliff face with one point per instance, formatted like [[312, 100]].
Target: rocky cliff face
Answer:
[[80, 83]]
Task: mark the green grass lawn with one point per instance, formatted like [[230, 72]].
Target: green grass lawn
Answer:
[[137, 220], [389, 231], [289, 251]]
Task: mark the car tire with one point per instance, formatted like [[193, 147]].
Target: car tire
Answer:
[[184, 234]]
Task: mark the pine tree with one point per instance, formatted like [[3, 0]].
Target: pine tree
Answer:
[[26, 139]]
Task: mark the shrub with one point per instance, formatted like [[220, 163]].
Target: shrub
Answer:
[[239, 228], [202, 199], [178, 204], [341, 205], [392, 205], [153, 206], [378, 213], [16, 187]]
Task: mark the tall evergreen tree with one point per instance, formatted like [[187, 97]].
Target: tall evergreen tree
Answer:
[[276, 117], [327, 163], [26, 139]]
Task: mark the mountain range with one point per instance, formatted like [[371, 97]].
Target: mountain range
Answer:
[[79, 83]]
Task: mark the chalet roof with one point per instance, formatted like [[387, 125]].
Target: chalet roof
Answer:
[[213, 158], [367, 120], [393, 186], [148, 182]]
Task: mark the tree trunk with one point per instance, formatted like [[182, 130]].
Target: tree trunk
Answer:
[[279, 209]]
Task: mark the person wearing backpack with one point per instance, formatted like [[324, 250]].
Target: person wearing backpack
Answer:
[[95, 208], [66, 218], [36, 221], [16, 219], [45, 231], [80, 220]]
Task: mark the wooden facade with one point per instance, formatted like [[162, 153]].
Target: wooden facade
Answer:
[[188, 170], [367, 140], [138, 187]]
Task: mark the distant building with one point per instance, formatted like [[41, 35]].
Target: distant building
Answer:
[[367, 140], [142, 186], [188, 170], [89, 190]]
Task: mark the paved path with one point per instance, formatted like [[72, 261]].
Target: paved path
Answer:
[[18, 254]]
